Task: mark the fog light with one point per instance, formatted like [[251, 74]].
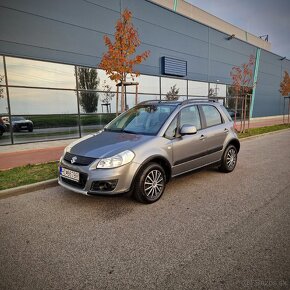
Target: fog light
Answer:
[[104, 185]]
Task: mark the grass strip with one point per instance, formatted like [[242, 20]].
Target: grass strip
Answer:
[[28, 174], [263, 130]]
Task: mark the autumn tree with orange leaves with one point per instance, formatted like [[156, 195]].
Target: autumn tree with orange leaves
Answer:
[[285, 85], [242, 85], [285, 91], [120, 59]]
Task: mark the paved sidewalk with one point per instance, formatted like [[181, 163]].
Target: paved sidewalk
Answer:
[[33, 153]]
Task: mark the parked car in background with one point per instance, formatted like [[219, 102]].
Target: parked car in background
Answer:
[[18, 123], [143, 148]]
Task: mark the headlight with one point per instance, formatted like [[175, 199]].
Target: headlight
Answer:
[[114, 161]]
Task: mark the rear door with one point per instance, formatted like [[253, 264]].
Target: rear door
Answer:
[[215, 132]]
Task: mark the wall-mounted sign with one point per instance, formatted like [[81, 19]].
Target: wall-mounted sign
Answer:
[[173, 66]]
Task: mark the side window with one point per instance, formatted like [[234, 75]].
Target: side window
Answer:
[[190, 116], [212, 115], [171, 130]]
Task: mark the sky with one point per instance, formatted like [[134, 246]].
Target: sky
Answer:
[[258, 17]]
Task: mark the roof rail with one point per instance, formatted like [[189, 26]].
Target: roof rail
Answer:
[[158, 101], [205, 99]]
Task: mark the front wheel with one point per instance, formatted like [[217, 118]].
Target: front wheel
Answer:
[[150, 183], [229, 159]]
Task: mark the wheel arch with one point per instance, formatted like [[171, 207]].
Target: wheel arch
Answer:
[[234, 142], [162, 161]]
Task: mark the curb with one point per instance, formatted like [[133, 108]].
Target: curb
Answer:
[[28, 188], [261, 135]]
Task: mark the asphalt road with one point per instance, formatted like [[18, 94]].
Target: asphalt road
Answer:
[[209, 231]]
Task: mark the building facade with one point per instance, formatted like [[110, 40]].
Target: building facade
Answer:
[[46, 46]]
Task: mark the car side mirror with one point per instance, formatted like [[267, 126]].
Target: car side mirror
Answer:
[[188, 130]]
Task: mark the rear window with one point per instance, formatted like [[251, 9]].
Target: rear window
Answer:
[[212, 115], [226, 113]]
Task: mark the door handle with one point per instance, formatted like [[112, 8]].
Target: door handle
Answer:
[[226, 130], [202, 137]]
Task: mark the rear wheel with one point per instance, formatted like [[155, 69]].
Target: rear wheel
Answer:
[[229, 159], [150, 183]]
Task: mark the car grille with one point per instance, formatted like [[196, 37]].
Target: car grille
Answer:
[[80, 160], [81, 184]]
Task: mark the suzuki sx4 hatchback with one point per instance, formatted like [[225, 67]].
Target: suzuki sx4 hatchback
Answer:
[[143, 148]]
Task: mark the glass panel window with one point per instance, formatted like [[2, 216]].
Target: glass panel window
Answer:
[[97, 102], [33, 73], [2, 75], [197, 88], [3, 101], [218, 90], [147, 85], [30, 128], [190, 116], [94, 123], [130, 99], [170, 86], [5, 137], [105, 81], [41, 101], [175, 98], [212, 115]]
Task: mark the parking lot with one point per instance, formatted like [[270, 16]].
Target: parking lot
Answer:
[[209, 230]]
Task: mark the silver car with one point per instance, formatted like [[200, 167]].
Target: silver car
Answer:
[[143, 148]]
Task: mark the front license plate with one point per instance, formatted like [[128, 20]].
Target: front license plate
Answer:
[[70, 174]]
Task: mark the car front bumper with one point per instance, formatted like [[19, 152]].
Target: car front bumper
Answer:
[[123, 175]]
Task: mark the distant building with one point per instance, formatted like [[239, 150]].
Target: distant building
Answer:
[[42, 43]]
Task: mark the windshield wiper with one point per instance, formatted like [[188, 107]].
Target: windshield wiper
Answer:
[[128, 131]]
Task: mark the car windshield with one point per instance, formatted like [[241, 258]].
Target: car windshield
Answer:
[[143, 119], [18, 118]]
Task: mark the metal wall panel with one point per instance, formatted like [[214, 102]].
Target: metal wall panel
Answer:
[[268, 100], [71, 31]]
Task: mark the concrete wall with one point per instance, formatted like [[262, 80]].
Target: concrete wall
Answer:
[[71, 31]]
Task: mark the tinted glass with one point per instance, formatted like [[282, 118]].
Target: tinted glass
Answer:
[[25, 101], [3, 101], [170, 86], [197, 88], [171, 131], [190, 116], [46, 127], [212, 115], [146, 119], [5, 137], [105, 80], [147, 85], [218, 90], [95, 122], [227, 112], [24, 72]]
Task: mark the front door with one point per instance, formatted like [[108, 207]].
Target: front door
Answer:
[[188, 150]]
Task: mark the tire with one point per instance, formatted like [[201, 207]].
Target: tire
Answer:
[[30, 129], [1, 132], [229, 159], [150, 183]]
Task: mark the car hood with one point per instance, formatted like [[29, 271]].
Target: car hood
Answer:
[[106, 144]]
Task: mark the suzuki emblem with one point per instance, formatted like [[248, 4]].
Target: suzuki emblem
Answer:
[[73, 160]]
